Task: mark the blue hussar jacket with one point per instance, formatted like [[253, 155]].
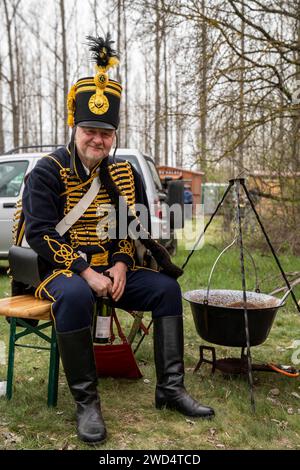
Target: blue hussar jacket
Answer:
[[52, 189]]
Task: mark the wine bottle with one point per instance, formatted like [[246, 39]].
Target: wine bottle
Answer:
[[102, 320]]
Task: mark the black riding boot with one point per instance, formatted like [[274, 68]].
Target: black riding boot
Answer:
[[77, 355], [168, 355]]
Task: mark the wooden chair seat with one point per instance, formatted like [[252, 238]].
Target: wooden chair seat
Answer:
[[25, 306], [21, 309]]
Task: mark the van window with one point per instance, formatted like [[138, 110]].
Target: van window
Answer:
[[11, 177]]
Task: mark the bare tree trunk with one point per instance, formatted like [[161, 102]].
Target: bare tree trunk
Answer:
[[77, 34], [64, 65], [157, 110], [264, 141], [125, 84], [119, 41], [147, 107], [166, 110], [2, 142], [23, 92], [296, 114], [40, 88], [20, 71], [24, 124], [241, 97], [203, 93], [93, 5], [55, 88], [12, 89], [296, 140], [178, 130], [228, 127], [281, 116]]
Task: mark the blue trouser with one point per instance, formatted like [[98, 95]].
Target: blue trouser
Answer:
[[145, 290]]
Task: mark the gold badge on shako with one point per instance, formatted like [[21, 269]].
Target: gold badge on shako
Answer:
[[98, 104]]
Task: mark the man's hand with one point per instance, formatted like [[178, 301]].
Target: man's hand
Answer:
[[98, 283], [118, 272]]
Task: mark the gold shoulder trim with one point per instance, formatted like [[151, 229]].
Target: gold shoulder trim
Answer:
[[56, 161], [121, 174]]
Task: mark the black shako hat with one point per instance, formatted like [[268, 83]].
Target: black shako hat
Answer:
[[95, 101]]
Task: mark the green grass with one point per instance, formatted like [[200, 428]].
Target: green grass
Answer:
[[128, 406]]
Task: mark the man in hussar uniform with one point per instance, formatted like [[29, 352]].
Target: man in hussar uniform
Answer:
[[72, 265]]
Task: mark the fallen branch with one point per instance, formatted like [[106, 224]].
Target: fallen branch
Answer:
[[284, 288]]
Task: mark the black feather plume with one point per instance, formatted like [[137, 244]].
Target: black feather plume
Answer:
[[102, 49]]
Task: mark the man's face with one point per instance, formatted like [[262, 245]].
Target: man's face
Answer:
[[93, 144]]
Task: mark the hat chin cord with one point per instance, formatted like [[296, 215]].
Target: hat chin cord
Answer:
[[116, 148], [72, 150]]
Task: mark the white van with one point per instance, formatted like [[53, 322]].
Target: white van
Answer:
[[15, 166]]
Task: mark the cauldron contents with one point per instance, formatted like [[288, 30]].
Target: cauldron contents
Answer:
[[249, 305], [234, 299]]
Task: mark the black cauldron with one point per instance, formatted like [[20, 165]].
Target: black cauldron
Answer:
[[220, 320]]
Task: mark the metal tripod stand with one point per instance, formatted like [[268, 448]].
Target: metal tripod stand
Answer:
[[239, 183]]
